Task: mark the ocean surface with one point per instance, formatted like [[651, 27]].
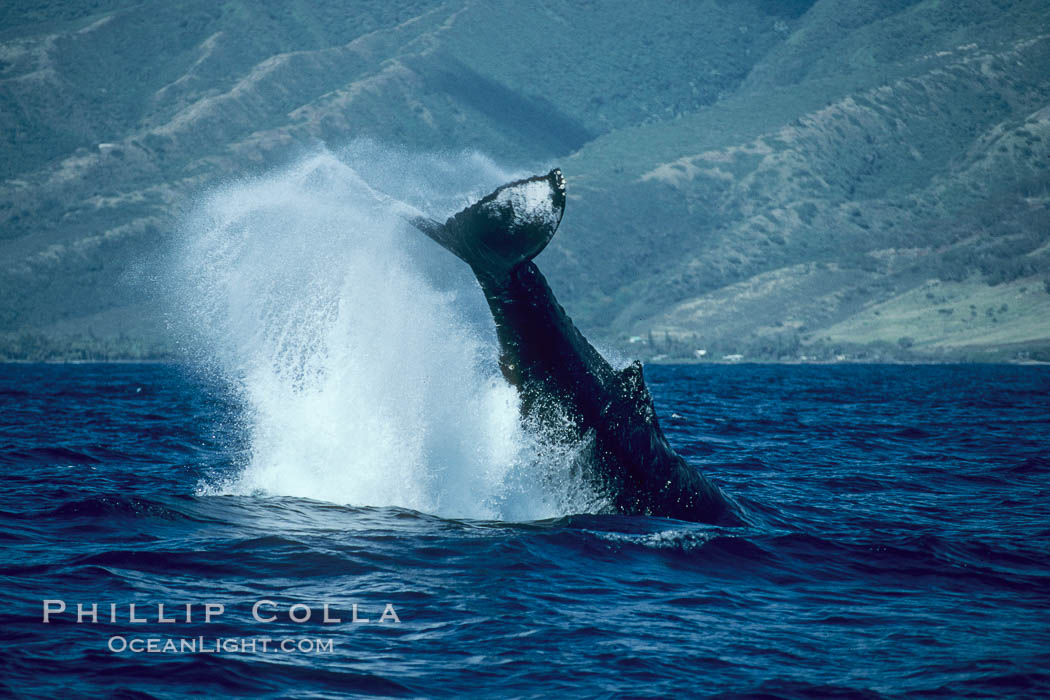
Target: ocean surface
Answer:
[[898, 545]]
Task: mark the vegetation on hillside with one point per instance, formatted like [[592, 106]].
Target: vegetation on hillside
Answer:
[[774, 180]]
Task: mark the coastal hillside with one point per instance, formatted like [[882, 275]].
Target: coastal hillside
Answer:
[[754, 180]]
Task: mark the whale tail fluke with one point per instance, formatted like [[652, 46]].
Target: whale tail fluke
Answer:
[[505, 228]]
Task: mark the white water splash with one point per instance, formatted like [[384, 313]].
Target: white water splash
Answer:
[[362, 351]]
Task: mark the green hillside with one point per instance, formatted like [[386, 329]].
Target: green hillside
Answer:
[[767, 179]]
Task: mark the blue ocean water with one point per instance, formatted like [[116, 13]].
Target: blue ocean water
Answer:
[[898, 545]]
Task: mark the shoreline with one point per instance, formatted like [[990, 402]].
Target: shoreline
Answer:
[[677, 363]]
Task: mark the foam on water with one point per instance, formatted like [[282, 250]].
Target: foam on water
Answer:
[[363, 353]]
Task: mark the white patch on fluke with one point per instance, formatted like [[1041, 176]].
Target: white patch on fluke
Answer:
[[532, 203]]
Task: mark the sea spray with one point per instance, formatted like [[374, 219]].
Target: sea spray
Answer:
[[362, 353]]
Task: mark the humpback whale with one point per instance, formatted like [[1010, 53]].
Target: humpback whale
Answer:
[[558, 374]]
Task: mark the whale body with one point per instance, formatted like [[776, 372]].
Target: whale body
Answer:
[[560, 377]]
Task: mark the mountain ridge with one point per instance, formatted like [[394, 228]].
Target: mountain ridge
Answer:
[[763, 192]]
